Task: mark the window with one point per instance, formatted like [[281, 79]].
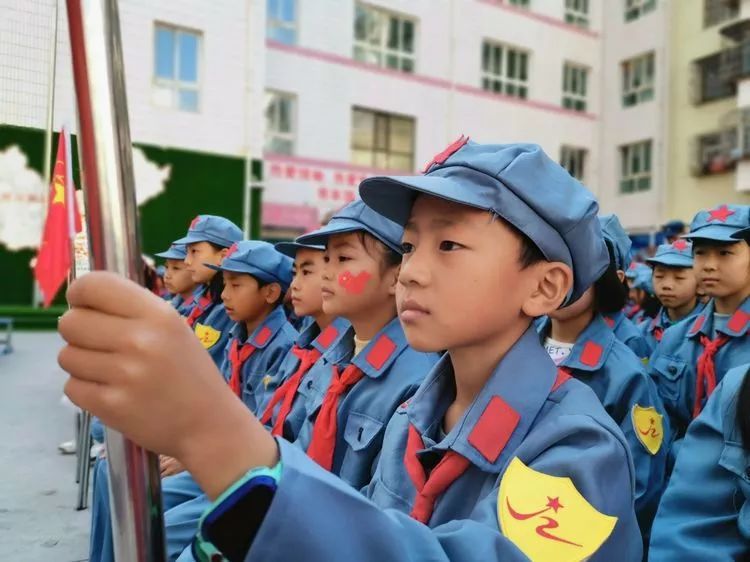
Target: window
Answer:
[[574, 160], [574, 87], [718, 11], [520, 3], [718, 152], [176, 61], [384, 39], [635, 168], [280, 122], [505, 70], [711, 81], [281, 21], [577, 12], [638, 80], [382, 140], [637, 8]]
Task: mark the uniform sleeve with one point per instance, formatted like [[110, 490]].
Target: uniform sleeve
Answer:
[[697, 517], [311, 507], [647, 430]]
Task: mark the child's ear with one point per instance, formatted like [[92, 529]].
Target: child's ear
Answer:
[[621, 275], [393, 274], [553, 282], [272, 293]]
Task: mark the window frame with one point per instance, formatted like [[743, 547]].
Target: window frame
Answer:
[[570, 97], [644, 92], [522, 4], [275, 23], [635, 9], [362, 49], [574, 157], [641, 180], [577, 13], [373, 149], [719, 13], [274, 133], [501, 83], [174, 84]]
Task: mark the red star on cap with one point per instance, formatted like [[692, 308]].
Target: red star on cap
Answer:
[[195, 221], [720, 214], [451, 149], [232, 249], [554, 503], [679, 245]]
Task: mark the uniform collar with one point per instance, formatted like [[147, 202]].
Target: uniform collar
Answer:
[[326, 339], [500, 416], [661, 321], [736, 326], [614, 320], [592, 347], [265, 331], [382, 351]]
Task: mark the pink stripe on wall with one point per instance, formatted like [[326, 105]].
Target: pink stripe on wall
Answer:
[[541, 18], [426, 80]]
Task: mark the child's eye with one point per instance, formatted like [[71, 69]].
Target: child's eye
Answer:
[[407, 248], [305, 273], [449, 246], [326, 258], [725, 253]]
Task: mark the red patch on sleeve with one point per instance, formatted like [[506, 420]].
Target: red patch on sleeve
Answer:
[[381, 352], [263, 336], [738, 321], [494, 428], [591, 353], [327, 336], [449, 151], [697, 325], [563, 375]]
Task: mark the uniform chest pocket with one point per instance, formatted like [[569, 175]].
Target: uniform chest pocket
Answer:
[[360, 430], [734, 458], [670, 372]]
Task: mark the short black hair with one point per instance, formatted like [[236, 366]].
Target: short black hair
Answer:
[[610, 293], [706, 243], [388, 256], [530, 252], [216, 287], [216, 247]]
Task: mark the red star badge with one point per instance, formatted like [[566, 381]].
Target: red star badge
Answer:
[[680, 245], [452, 148], [195, 221], [720, 214], [554, 503]]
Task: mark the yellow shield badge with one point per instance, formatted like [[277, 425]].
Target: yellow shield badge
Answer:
[[547, 518], [649, 427], [207, 335]]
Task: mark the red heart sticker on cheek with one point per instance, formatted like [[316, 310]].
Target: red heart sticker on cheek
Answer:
[[354, 284]]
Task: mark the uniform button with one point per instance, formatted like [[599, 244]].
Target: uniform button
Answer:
[[672, 369], [359, 435], [747, 472], [309, 384]]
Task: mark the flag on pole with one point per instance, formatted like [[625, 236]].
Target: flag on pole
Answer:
[[62, 223]]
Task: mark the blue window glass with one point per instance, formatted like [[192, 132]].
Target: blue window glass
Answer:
[[188, 57], [164, 53]]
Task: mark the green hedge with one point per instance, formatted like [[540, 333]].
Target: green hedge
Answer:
[[27, 318]]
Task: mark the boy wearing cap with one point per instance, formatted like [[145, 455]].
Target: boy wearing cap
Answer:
[[625, 330], [498, 456], [674, 285], [322, 336], [177, 279], [207, 242], [693, 356]]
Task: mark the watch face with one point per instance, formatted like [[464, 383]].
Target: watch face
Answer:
[[228, 530]]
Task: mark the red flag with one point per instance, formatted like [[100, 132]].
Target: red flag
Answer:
[[53, 259]]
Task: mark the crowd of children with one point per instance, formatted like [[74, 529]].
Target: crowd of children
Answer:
[[462, 365]]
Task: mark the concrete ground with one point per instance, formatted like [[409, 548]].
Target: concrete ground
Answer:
[[38, 519]]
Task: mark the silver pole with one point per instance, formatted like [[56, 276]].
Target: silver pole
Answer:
[[98, 73], [47, 158], [84, 461]]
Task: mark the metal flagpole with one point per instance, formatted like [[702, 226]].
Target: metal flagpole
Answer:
[[98, 73]]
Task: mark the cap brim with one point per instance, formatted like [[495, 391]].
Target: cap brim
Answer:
[[743, 234], [393, 197], [195, 238], [671, 261], [170, 256], [290, 249], [714, 232], [249, 270], [341, 226]]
